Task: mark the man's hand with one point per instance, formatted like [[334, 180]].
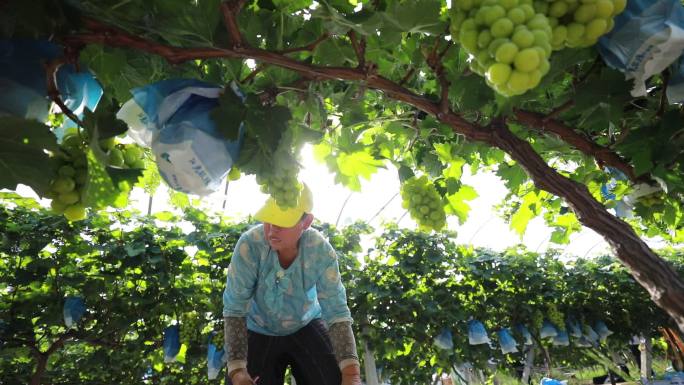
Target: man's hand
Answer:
[[351, 375], [241, 377]]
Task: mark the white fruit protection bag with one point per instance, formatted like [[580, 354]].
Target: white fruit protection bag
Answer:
[[172, 117]]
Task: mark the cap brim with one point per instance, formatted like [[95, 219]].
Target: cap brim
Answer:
[[273, 214]]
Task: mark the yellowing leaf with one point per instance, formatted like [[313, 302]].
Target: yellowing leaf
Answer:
[[358, 164], [457, 202], [443, 151], [321, 151], [520, 219]]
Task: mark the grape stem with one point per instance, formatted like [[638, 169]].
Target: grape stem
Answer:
[[51, 69]]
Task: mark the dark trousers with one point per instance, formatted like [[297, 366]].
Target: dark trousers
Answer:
[[308, 352]]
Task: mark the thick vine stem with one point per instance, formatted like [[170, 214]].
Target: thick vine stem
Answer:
[[602, 154], [230, 10], [660, 280], [652, 272]]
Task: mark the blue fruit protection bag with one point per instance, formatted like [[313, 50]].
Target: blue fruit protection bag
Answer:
[[172, 117], [548, 330], [647, 37], [171, 343], [73, 311], [507, 342], [477, 334], [24, 81], [215, 359], [525, 333], [444, 340]]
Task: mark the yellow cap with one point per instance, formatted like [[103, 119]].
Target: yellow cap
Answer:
[[270, 212]]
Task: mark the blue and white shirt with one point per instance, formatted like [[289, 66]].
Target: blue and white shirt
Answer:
[[279, 301]]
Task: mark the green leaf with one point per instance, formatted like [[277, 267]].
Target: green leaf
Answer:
[[513, 175], [357, 164], [266, 124], [100, 190], [22, 154], [416, 16], [457, 202], [103, 123], [229, 114], [521, 218]]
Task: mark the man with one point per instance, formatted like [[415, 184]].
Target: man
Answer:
[[285, 305]]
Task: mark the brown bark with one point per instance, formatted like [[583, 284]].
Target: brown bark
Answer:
[[603, 155], [42, 358], [652, 272]]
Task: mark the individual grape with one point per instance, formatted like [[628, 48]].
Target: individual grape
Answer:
[[499, 73], [66, 171], [75, 212], [63, 184], [115, 158], [526, 60], [69, 198], [132, 154], [107, 144], [523, 38], [502, 28]]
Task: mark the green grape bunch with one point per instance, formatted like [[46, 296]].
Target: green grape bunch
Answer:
[[282, 185], [122, 155], [555, 316], [579, 23], [537, 320], [508, 42], [66, 190], [189, 328], [420, 197]]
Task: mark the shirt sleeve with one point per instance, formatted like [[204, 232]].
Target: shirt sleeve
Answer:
[[241, 279], [331, 293]]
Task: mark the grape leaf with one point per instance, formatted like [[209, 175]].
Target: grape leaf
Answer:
[[100, 190], [103, 121], [355, 165], [229, 114], [22, 154], [457, 202], [417, 16]]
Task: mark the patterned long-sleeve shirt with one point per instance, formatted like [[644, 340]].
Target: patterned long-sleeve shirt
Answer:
[[279, 301]]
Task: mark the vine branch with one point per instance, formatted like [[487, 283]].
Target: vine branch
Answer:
[[359, 48], [309, 47], [106, 35], [51, 69], [603, 155], [230, 10]]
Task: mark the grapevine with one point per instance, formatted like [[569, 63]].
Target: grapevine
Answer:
[[421, 199]]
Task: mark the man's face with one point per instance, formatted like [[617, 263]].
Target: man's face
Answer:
[[285, 238]]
